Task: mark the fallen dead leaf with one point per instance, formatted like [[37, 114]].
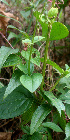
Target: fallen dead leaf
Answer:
[[5, 135]]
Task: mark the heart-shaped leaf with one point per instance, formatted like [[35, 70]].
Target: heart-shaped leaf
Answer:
[[31, 82]]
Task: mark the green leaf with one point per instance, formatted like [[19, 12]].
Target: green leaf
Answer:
[[39, 115], [25, 129], [28, 41], [53, 12], [65, 80], [36, 59], [52, 126], [15, 104], [12, 60], [5, 2], [55, 102], [25, 14], [54, 65], [1, 85], [13, 27], [4, 53], [58, 31], [37, 38], [67, 109], [36, 136], [14, 82], [26, 117], [24, 68], [31, 82], [67, 130], [65, 97], [12, 35]]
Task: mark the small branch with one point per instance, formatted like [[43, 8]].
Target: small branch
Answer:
[[6, 40], [4, 79], [41, 46]]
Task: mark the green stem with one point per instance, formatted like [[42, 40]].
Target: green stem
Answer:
[[30, 59], [56, 83], [31, 49], [45, 55]]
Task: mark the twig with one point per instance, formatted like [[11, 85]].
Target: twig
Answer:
[[6, 40]]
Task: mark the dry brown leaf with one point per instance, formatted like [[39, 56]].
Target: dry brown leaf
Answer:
[[5, 135], [4, 19]]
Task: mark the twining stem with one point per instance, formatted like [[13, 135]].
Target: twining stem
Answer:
[[56, 83], [45, 55], [31, 49]]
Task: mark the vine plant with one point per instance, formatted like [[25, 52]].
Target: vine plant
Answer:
[[20, 96]]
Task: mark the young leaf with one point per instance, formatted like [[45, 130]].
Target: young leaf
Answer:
[[12, 60], [4, 53], [36, 59], [31, 82], [52, 126], [14, 82], [15, 104], [53, 12], [67, 130], [28, 41], [55, 102], [39, 115], [67, 109]]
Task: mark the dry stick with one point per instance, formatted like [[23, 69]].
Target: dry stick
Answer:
[[41, 46], [6, 40], [4, 79]]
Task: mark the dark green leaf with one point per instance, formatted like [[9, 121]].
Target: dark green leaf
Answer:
[[4, 53], [39, 115], [67, 130], [25, 129], [36, 136], [67, 109], [55, 102], [12, 60], [52, 126], [14, 82], [26, 117], [12, 35], [15, 104]]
